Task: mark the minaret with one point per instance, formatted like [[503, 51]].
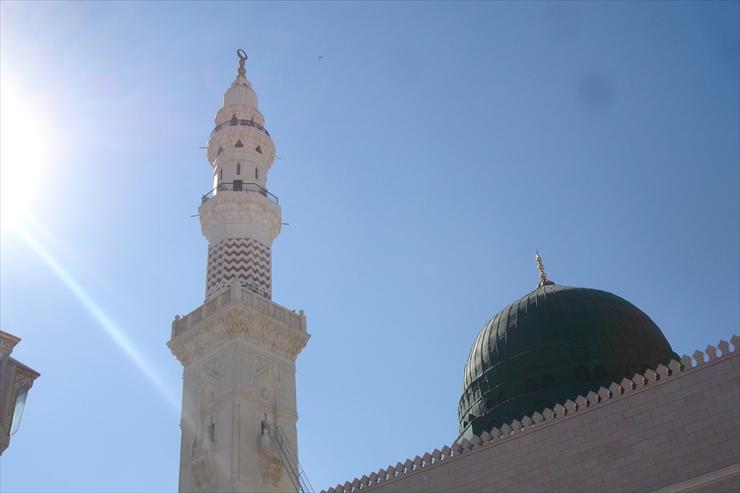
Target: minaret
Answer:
[[238, 349]]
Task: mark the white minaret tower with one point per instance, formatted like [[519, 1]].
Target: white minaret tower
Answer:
[[239, 348]]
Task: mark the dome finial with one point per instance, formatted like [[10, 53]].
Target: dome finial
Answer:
[[544, 281], [242, 60]]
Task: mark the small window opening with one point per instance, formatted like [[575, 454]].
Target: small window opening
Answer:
[[234, 121], [256, 173], [258, 149], [238, 144], [220, 150], [212, 431], [220, 174], [238, 168]]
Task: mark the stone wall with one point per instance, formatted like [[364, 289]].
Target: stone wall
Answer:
[[673, 429]]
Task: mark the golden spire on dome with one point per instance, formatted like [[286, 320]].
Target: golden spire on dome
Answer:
[[242, 60], [544, 281]]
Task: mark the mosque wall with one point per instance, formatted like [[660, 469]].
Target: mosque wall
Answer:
[[675, 429]]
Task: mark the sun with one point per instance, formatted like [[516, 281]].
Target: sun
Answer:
[[23, 154]]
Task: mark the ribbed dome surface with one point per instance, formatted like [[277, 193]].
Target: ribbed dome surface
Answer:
[[552, 345]]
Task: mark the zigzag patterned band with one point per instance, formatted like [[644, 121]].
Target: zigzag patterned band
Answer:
[[245, 259]]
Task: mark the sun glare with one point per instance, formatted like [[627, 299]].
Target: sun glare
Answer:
[[23, 154]]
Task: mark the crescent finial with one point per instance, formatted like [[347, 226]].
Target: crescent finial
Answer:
[[242, 60], [544, 281]]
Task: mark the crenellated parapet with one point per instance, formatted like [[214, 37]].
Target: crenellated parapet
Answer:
[[616, 392]]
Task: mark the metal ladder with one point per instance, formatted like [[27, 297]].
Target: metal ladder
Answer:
[[295, 472]]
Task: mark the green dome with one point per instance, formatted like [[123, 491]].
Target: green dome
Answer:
[[554, 344]]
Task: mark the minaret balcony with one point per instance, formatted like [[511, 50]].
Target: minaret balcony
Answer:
[[238, 311], [238, 186], [235, 122]]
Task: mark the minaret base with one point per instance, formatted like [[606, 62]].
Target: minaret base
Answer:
[[239, 403]]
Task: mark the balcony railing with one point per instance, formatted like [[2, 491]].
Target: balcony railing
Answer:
[[237, 186], [234, 122]]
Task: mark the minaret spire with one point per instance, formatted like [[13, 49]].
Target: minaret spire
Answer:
[[544, 281], [239, 216]]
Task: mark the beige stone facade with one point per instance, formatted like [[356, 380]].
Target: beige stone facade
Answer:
[[675, 429]]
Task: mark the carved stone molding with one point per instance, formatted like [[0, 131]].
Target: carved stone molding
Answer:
[[237, 320], [260, 214], [270, 466], [7, 342]]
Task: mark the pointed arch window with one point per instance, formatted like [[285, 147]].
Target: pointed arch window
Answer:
[[258, 149], [256, 173], [238, 168], [238, 144]]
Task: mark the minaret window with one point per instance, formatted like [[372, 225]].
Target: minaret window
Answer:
[[238, 168], [220, 174], [212, 431], [256, 173], [258, 149], [238, 144]]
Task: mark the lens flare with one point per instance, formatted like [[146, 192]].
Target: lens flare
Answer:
[[111, 329], [24, 141]]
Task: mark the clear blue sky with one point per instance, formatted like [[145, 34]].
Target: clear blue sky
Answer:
[[424, 158]]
